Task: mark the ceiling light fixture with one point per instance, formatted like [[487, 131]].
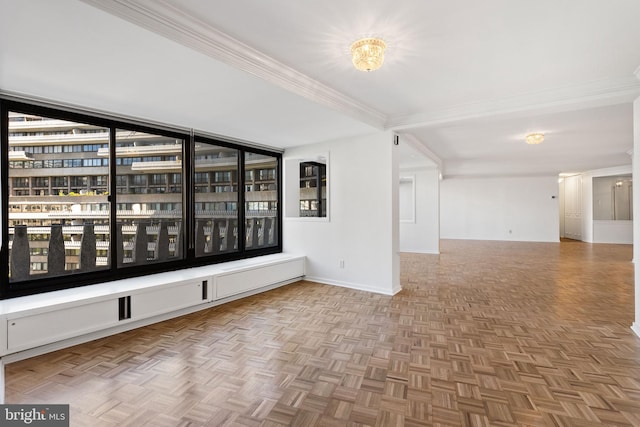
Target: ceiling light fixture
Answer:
[[534, 138], [368, 53]]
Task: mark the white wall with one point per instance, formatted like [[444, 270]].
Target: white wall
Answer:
[[422, 235], [362, 228], [500, 208], [619, 232]]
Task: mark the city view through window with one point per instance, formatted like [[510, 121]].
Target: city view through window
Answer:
[[88, 198]]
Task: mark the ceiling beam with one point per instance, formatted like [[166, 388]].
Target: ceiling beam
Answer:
[[570, 98]]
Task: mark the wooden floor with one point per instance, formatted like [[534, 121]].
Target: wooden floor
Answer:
[[486, 334]]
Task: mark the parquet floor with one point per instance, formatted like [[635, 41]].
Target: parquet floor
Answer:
[[486, 334]]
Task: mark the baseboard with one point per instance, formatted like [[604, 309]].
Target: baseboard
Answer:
[[421, 252], [636, 328], [351, 285]]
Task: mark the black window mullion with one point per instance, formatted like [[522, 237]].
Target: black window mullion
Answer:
[[242, 239], [4, 177], [279, 201], [113, 202], [188, 190]]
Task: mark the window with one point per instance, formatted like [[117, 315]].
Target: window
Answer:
[[266, 174], [52, 149], [158, 179], [78, 181], [99, 181], [139, 180], [313, 189], [129, 200], [59, 181], [222, 176], [46, 246], [217, 218], [201, 178], [20, 182], [261, 207], [41, 182], [176, 178], [145, 234]]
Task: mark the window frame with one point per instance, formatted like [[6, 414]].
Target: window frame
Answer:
[[115, 272]]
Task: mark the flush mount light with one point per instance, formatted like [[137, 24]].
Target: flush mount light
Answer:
[[534, 138], [368, 53]]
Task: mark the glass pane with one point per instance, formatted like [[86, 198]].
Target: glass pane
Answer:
[[261, 201], [149, 198], [216, 198], [313, 189], [58, 197]]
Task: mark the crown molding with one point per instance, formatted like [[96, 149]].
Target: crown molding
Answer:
[[167, 20], [588, 95], [505, 175]]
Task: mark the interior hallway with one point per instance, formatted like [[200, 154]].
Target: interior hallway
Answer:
[[487, 333]]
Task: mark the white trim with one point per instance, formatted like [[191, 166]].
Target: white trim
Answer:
[[422, 252], [414, 169], [173, 23], [306, 219], [291, 179], [636, 328], [351, 285], [611, 171]]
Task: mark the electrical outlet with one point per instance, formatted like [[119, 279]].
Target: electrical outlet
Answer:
[[341, 263]]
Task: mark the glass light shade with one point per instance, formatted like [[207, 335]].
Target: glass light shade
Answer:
[[534, 138], [368, 54]]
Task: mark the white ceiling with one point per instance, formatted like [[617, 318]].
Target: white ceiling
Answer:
[[466, 79]]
